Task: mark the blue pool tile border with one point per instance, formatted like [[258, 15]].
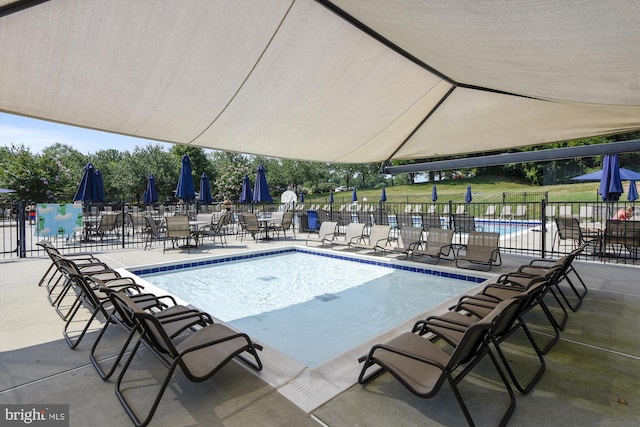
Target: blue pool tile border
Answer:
[[382, 263]]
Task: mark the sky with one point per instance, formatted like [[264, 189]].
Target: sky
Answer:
[[39, 134]]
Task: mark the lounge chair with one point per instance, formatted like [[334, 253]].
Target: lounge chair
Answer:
[[481, 307], [177, 320], [569, 229], [423, 367], [438, 244], [409, 239], [326, 234], [199, 356], [482, 248], [521, 211], [378, 239], [505, 213], [463, 223], [353, 235], [491, 211]]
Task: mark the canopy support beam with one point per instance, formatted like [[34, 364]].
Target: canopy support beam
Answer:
[[522, 157]]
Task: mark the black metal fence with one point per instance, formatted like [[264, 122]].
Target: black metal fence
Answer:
[[526, 227]]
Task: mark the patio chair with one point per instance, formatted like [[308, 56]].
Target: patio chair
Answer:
[[423, 367], [569, 229], [482, 248], [154, 231], [326, 234], [108, 223], [476, 308], [177, 228], [219, 229], [285, 225], [622, 234], [251, 226], [378, 239], [438, 244], [199, 356], [409, 239], [353, 234], [463, 223]]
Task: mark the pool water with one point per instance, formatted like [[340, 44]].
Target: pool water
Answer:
[[309, 307]]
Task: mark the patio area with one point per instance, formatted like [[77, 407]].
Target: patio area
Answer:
[[590, 380]]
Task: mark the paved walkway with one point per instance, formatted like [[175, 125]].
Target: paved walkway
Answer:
[[591, 377]]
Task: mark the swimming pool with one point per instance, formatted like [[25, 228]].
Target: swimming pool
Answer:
[[309, 305]]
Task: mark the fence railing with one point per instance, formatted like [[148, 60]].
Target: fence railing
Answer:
[[527, 228]]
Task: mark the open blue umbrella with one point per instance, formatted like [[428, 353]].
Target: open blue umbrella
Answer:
[[151, 193], [205, 190], [625, 175], [185, 189], [261, 189], [467, 196], [383, 196], [354, 196], [610, 182], [246, 194], [434, 194], [632, 194], [88, 189], [99, 187]]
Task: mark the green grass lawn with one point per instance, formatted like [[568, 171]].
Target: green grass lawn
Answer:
[[485, 189]]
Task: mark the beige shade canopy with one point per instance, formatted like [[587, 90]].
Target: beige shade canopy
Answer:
[[340, 81]]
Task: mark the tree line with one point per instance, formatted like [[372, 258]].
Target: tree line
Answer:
[[54, 174]]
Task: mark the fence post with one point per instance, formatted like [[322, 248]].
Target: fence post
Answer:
[[543, 228], [123, 221], [22, 235]]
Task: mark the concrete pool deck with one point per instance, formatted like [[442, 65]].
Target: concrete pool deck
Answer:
[[591, 377]]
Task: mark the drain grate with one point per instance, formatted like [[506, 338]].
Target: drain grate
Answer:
[[326, 297]]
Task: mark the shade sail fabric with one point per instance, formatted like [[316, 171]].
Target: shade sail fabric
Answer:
[[632, 194], [151, 193], [246, 194], [625, 175], [610, 184], [261, 189], [205, 190], [185, 189], [88, 189], [468, 197], [298, 79]]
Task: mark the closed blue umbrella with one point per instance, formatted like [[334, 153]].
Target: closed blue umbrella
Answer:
[[301, 197], [331, 197], [468, 197], [434, 194], [383, 196], [354, 196], [610, 183], [205, 190], [185, 189], [261, 189], [151, 193], [88, 189], [632, 195], [99, 187], [246, 195]]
